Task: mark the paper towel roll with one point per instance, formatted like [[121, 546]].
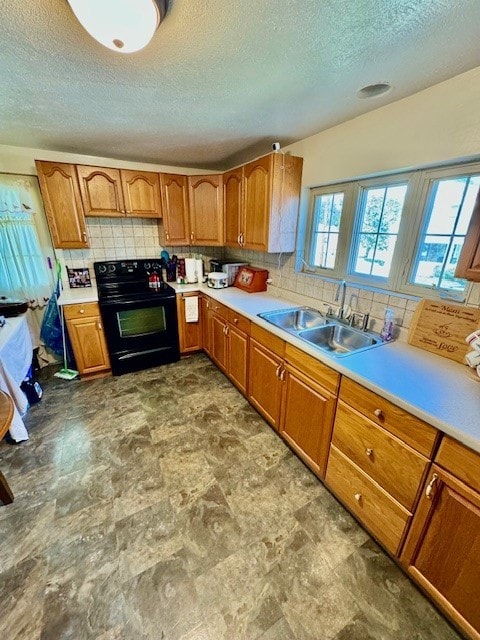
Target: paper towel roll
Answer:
[[199, 269], [190, 270]]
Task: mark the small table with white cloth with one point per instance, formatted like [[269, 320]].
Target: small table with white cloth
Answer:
[[16, 353]]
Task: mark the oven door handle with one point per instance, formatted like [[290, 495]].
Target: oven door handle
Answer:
[[117, 303]]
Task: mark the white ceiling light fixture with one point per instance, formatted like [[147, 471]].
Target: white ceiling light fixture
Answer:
[[121, 25]]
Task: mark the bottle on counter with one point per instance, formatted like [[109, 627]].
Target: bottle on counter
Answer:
[[388, 324]]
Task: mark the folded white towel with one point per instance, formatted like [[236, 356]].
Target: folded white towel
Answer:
[[191, 309]]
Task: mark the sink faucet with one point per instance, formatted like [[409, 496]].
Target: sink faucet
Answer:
[[343, 288]]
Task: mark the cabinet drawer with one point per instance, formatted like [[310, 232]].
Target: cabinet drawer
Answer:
[[239, 321], [398, 468], [219, 309], [372, 505], [85, 310], [267, 339], [418, 434], [460, 461], [320, 372]]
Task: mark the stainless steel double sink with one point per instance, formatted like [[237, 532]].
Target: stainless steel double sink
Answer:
[[323, 332]]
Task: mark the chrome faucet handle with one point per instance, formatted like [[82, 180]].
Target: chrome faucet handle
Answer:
[[329, 313], [365, 321]]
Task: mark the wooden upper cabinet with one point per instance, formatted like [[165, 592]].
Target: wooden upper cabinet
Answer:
[[468, 265], [141, 193], [271, 197], [176, 223], [101, 191], [63, 205], [257, 193], [206, 210], [233, 203]]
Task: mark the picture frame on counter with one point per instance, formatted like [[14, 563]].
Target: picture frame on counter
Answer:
[[79, 278]]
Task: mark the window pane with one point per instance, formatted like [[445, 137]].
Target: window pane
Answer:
[[326, 226], [381, 212], [448, 214]]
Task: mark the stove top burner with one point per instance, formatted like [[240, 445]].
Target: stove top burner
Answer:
[[131, 280]]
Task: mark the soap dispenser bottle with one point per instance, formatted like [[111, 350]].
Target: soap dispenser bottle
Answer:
[[388, 323]]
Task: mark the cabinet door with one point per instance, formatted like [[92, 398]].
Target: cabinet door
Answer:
[[141, 192], [264, 382], [207, 314], [63, 205], [232, 189], [469, 261], [307, 431], [101, 191], [89, 346], [238, 358], [190, 333], [443, 548], [206, 210], [219, 342], [175, 208], [257, 197]]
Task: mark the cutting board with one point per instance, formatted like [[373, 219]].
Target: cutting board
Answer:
[[441, 327]]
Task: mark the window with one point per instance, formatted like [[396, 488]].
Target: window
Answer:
[[23, 272], [402, 232], [379, 221], [327, 213], [449, 208]]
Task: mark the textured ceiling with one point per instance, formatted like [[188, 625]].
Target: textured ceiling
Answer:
[[221, 79]]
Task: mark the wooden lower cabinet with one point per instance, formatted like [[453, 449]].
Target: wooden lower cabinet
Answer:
[[238, 357], [219, 342], [226, 341], [383, 516], [442, 552], [265, 384], [189, 333], [379, 458], [85, 329], [307, 418]]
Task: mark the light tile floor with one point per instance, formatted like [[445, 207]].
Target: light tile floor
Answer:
[[160, 506]]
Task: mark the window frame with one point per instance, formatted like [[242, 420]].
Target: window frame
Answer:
[[348, 189], [413, 222], [415, 237]]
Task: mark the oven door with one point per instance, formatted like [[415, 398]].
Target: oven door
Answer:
[[140, 333]]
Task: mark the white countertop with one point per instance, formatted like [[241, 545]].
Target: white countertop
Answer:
[[442, 392]]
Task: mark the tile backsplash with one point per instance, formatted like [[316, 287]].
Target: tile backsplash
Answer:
[[125, 239]]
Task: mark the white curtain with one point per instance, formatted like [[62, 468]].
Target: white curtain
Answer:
[[23, 273]]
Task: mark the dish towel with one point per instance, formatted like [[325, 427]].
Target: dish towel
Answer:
[[191, 309]]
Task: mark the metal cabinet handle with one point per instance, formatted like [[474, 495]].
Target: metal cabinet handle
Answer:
[[282, 374], [358, 497], [369, 452], [239, 239], [277, 371], [226, 329], [81, 311], [84, 234], [430, 486], [99, 326], [167, 236], [379, 414], [192, 236], [235, 320], [242, 239]]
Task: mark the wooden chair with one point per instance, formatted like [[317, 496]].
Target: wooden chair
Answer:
[[6, 415]]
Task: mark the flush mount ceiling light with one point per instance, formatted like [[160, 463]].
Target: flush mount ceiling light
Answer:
[[374, 90], [120, 25]]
